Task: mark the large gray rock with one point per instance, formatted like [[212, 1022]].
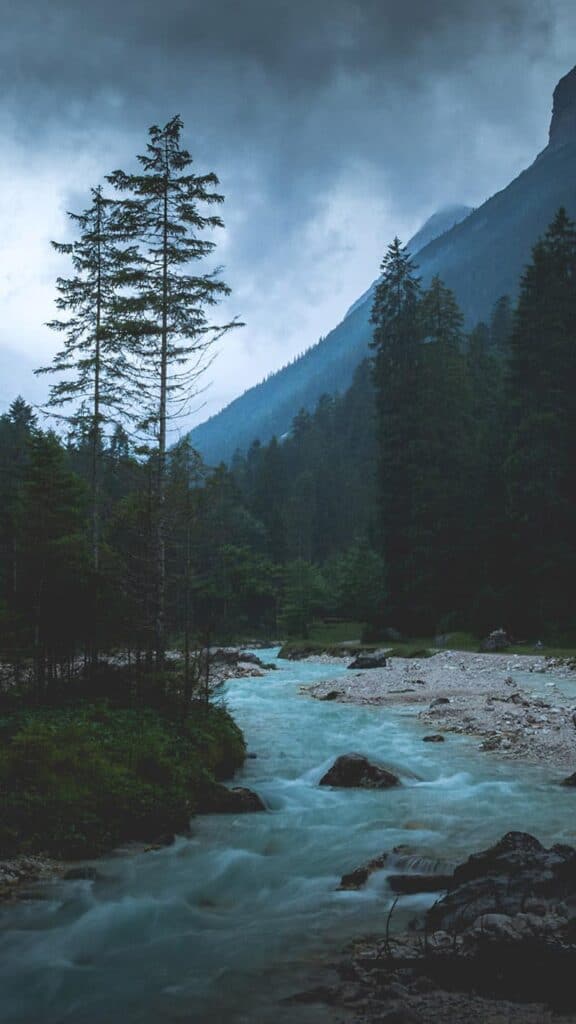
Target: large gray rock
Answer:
[[372, 660], [501, 879], [354, 771]]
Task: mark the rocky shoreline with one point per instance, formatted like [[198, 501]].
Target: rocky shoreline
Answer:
[[498, 947], [18, 874], [481, 695]]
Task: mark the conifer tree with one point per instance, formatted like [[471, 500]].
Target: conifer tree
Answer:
[[501, 324], [442, 487], [540, 468], [396, 363], [92, 362], [17, 428], [54, 573], [163, 211]]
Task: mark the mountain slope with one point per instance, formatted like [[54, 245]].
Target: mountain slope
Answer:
[[480, 258], [268, 408]]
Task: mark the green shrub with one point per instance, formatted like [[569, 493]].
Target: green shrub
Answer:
[[74, 782]]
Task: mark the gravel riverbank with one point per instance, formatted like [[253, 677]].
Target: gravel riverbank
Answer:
[[502, 699]]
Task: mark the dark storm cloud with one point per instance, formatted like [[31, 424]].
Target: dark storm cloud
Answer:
[[307, 110], [245, 62], [287, 93]]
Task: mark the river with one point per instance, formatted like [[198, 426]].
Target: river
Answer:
[[221, 926]]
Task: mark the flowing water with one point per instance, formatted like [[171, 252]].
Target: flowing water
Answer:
[[221, 926]]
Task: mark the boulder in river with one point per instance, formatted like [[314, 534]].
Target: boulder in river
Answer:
[[434, 738], [354, 771], [377, 659], [570, 781], [237, 800]]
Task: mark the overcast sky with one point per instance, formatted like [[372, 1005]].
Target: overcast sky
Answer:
[[332, 124]]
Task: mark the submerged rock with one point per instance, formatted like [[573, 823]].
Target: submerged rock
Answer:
[[356, 771], [238, 800], [357, 879], [435, 738]]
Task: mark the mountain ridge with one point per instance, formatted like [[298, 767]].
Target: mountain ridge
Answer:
[[481, 258]]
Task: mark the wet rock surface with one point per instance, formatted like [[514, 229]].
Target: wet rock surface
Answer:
[[498, 948], [237, 800], [233, 663], [354, 771], [17, 874]]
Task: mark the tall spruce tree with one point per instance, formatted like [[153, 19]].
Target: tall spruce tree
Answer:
[[92, 362], [443, 483], [166, 310], [396, 364], [540, 468]]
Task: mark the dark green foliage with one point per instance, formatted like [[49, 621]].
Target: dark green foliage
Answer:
[[52, 593], [74, 782], [304, 597], [398, 380], [316, 491], [541, 469], [472, 436], [356, 581]]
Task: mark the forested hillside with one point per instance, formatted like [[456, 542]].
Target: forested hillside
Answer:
[[442, 477], [480, 259]]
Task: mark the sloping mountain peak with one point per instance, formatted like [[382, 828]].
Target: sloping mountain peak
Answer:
[[563, 123], [440, 222]]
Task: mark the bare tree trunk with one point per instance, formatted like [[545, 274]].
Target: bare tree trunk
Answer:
[[96, 405], [160, 639]]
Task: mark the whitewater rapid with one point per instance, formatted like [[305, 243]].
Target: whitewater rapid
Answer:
[[221, 926]]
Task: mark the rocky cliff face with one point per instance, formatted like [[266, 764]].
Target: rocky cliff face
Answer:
[[563, 124]]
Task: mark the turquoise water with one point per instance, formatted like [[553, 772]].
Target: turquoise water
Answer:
[[222, 925]]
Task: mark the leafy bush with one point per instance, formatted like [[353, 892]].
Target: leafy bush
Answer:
[[73, 782]]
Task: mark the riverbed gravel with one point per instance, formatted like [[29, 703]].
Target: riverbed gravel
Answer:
[[518, 706]]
